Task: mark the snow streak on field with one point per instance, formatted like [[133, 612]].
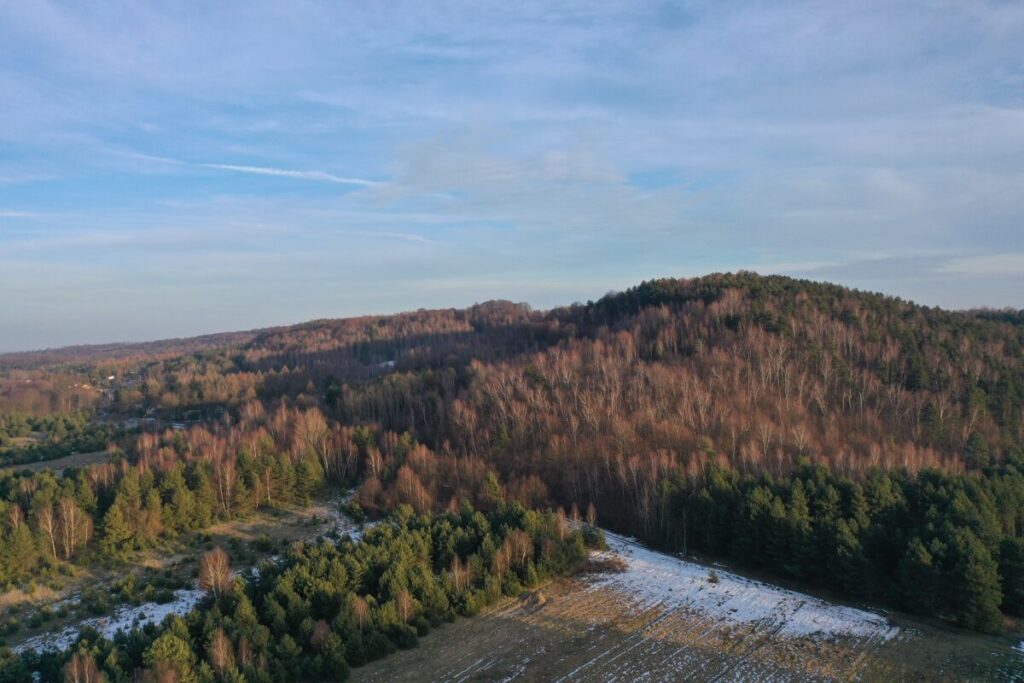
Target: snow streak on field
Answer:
[[121, 620], [657, 580]]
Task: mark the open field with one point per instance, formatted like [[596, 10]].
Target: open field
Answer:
[[647, 616], [58, 464]]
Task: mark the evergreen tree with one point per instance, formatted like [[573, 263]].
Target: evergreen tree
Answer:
[[118, 537], [917, 578], [1011, 568], [975, 591]]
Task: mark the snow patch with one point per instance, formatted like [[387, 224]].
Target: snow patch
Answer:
[[653, 579], [338, 522], [123, 619]]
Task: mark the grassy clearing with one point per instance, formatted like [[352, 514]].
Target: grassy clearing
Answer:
[[59, 464]]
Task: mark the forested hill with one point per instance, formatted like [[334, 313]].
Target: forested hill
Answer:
[[86, 354], [761, 371]]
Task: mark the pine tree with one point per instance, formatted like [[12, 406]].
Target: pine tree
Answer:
[[975, 591], [847, 564], [152, 517], [801, 534], [1011, 568], [917, 578], [118, 535]]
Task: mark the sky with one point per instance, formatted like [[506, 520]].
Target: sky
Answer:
[[171, 169]]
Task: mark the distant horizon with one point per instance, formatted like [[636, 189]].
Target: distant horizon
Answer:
[[181, 167], [273, 325]]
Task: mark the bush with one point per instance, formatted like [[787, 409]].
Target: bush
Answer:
[[263, 544], [403, 636], [354, 511], [593, 537]]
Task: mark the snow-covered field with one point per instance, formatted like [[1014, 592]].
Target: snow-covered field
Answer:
[[122, 619], [653, 579]]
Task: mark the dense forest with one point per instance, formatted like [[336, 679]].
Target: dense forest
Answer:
[[842, 438], [60, 434]]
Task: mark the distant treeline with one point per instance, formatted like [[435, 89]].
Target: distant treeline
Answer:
[[62, 435]]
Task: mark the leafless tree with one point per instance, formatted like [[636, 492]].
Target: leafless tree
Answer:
[[215, 572], [82, 668]]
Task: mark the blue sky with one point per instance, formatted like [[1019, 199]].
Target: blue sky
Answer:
[[169, 169]]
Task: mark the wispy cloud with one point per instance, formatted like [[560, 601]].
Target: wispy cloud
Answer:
[[290, 173], [992, 264], [319, 176]]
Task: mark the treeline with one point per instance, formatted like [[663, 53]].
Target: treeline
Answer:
[[108, 357], [330, 606], [935, 543], [47, 391]]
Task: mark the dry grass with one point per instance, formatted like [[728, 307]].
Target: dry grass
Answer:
[[19, 598], [571, 631], [58, 464]]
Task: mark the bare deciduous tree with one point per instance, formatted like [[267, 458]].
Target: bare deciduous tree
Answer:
[[47, 523], [82, 668], [215, 572], [220, 652], [404, 605]]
